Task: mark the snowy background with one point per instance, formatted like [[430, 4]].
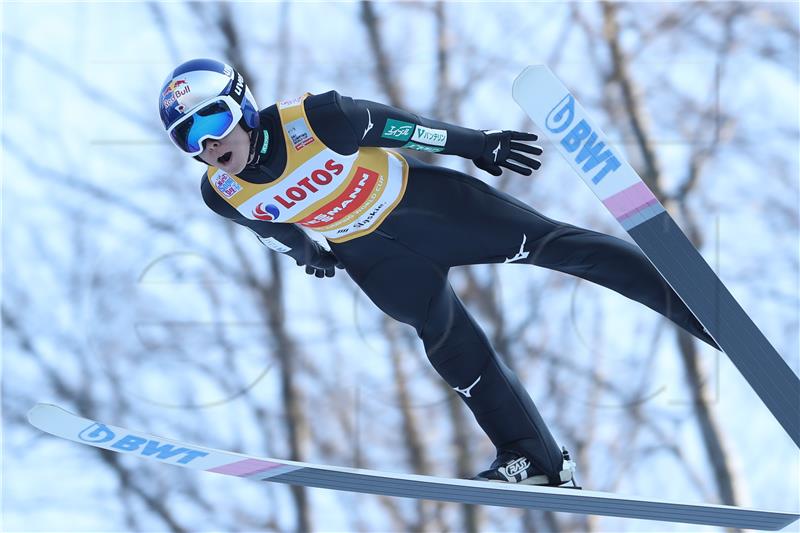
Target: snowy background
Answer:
[[125, 299]]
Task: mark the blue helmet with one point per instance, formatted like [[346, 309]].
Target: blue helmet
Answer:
[[202, 99]]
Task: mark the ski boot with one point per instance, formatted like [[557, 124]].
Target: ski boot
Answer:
[[512, 467]]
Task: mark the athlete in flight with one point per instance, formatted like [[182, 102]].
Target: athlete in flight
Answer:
[[331, 164]]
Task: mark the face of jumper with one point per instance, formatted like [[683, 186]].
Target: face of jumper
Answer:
[[230, 153]]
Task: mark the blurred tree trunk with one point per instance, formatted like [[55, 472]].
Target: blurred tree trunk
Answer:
[[287, 353], [413, 429], [448, 110], [383, 69]]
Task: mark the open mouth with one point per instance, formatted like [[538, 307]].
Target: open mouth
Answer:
[[224, 158]]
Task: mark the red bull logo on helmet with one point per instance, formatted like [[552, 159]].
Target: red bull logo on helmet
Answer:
[[174, 90]]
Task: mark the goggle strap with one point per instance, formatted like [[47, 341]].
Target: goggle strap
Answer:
[[237, 81]]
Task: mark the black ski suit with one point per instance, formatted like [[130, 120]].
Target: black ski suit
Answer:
[[444, 219]]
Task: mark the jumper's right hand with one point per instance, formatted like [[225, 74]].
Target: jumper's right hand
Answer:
[[320, 262]]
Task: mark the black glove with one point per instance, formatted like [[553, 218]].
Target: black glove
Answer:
[[502, 147], [319, 261]]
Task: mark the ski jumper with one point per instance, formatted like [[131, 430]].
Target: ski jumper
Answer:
[[398, 225]]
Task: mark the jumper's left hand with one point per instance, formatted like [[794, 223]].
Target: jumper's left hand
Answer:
[[504, 149], [318, 261]]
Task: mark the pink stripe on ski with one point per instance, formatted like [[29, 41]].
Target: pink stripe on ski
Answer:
[[628, 200], [244, 468]]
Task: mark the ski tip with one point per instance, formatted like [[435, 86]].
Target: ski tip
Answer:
[[38, 413], [516, 87]]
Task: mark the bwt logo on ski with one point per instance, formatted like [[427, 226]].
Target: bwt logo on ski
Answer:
[[581, 139], [101, 434]]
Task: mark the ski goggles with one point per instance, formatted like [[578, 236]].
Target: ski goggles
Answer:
[[211, 121]]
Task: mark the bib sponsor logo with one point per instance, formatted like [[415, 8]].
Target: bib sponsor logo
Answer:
[[283, 104], [422, 147], [267, 212], [397, 130], [173, 91], [314, 183], [430, 136], [226, 185], [102, 434], [366, 221], [299, 133], [353, 197], [581, 141]]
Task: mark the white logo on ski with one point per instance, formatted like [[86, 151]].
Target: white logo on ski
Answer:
[[496, 151], [522, 254], [466, 392], [369, 124]]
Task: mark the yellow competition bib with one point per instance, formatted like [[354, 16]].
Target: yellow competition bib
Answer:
[[340, 196]]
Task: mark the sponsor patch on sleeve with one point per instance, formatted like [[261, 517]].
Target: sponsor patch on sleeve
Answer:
[[299, 133], [397, 130], [226, 185], [274, 244], [422, 147], [430, 136]]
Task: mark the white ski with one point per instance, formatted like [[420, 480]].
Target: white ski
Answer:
[[586, 148], [61, 423]]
